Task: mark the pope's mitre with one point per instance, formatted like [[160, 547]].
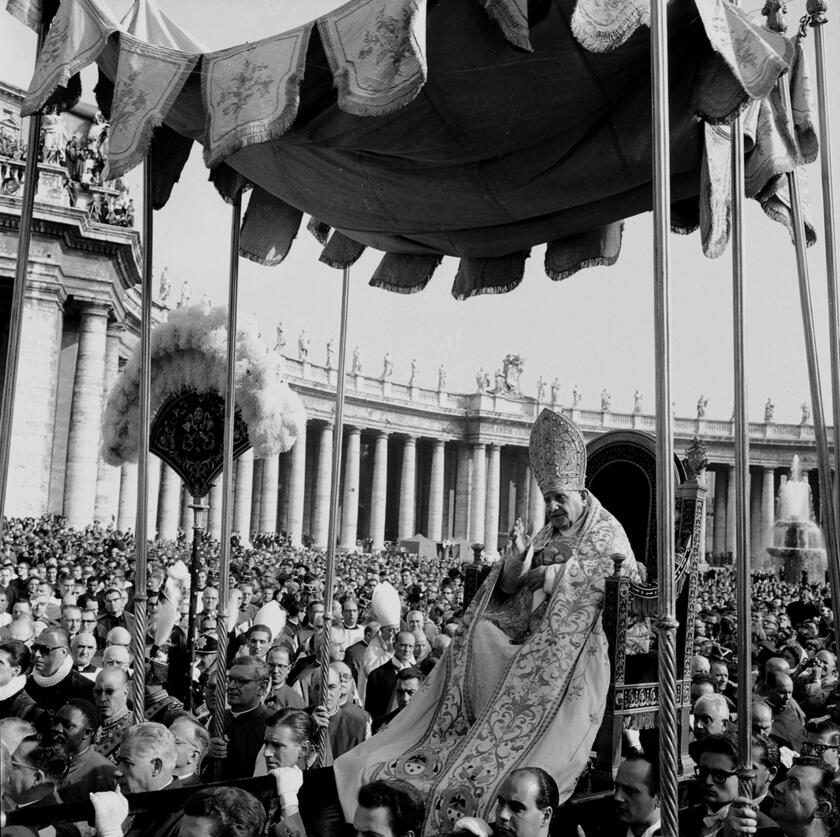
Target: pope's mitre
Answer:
[[558, 453]]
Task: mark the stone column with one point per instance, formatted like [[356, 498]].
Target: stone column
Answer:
[[407, 489], [379, 490], [463, 481], [256, 495], [214, 513], [768, 507], [86, 417], [242, 494], [127, 509], [108, 476], [350, 496], [323, 477], [34, 420], [730, 509], [169, 504], [270, 482], [719, 545], [297, 482], [754, 498], [434, 528], [187, 514], [491, 515], [478, 501], [153, 481], [536, 514]]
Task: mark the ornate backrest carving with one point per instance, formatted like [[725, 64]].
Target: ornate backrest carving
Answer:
[[633, 699]]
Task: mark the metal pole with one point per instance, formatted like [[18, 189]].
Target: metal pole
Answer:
[[742, 466], [138, 682], [7, 408], [198, 509], [806, 304], [335, 483], [227, 475], [818, 20], [667, 622]]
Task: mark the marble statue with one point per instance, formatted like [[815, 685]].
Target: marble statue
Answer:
[[769, 410], [357, 361], [482, 380], [576, 396], [412, 378], [186, 294], [606, 400], [637, 402], [387, 366], [441, 378], [165, 287], [330, 350], [206, 302], [541, 387], [806, 412], [303, 346], [280, 340], [555, 391]]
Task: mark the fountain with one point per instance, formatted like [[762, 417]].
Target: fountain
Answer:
[[797, 540]]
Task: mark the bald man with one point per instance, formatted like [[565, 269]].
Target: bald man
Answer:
[[111, 700]]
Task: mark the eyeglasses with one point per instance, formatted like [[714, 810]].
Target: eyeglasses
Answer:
[[242, 681], [45, 650], [719, 777], [818, 749]]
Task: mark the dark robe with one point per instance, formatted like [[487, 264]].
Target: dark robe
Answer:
[[52, 698]]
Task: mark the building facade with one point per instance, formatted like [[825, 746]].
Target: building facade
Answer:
[[415, 460]]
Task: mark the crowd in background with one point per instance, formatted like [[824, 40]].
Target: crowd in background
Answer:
[[66, 657]]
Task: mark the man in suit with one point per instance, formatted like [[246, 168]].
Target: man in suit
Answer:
[[379, 695], [191, 743], [636, 796]]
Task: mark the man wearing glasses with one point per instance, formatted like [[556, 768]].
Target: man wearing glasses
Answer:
[[114, 616], [54, 681], [282, 695], [248, 681], [822, 740], [717, 780], [37, 772]]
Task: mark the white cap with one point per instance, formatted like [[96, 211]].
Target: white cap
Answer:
[[385, 602], [272, 616]]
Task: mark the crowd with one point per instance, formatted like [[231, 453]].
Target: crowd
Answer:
[[84, 162], [68, 734]]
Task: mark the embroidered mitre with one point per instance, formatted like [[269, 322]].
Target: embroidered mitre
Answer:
[[558, 453]]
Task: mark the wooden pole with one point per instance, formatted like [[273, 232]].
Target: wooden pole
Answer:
[[332, 528], [227, 474], [138, 682], [667, 622], [7, 406]]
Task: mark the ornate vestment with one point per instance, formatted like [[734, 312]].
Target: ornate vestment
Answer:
[[520, 687]]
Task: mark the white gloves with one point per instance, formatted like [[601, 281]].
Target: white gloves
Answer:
[[110, 811], [473, 825], [288, 781]]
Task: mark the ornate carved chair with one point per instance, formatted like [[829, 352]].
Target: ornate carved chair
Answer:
[[621, 472]]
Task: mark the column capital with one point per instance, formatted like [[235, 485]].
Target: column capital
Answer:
[[93, 307]]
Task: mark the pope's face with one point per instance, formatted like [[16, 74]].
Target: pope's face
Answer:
[[564, 508]]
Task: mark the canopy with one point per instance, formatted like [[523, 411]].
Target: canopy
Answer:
[[473, 129]]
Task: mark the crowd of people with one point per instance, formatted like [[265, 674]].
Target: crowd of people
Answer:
[[69, 735], [82, 158]]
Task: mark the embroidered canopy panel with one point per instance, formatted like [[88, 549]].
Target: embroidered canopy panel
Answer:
[[477, 129]]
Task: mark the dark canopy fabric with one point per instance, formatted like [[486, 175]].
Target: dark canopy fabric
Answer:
[[501, 150]]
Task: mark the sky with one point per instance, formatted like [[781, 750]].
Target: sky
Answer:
[[593, 330]]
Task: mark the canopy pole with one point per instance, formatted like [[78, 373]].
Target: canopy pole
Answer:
[[198, 509], [817, 9], [742, 467], [776, 22], [335, 482], [218, 727], [7, 407], [667, 622], [141, 529]]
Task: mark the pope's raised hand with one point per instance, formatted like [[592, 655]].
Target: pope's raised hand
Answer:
[[519, 538], [110, 810]]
